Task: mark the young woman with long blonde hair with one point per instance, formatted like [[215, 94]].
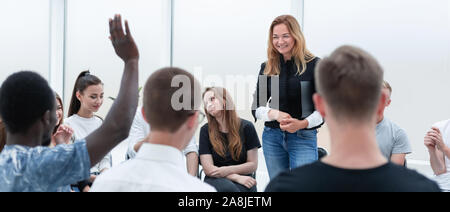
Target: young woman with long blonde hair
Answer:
[[228, 145]]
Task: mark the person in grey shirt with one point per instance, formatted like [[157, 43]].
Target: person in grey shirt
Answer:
[[392, 140]]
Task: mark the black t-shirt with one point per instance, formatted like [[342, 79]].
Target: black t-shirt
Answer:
[[249, 137], [320, 177]]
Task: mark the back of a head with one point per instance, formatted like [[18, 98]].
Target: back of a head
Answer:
[[2, 135], [171, 95], [24, 98], [350, 81]]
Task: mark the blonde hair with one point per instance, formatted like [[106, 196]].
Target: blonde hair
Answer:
[[233, 124], [300, 53]]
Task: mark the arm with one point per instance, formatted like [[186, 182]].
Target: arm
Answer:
[[214, 171], [440, 144], [437, 160], [116, 126], [401, 147], [192, 163], [247, 168], [137, 134], [243, 169], [398, 159], [293, 125], [208, 164], [191, 152], [314, 120], [105, 163], [239, 172], [246, 181], [260, 99]]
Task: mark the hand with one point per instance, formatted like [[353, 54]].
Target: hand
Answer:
[[124, 45], [292, 125], [220, 172], [63, 135], [86, 189], [436, 137], [246, 181], [429, 143], [278, 115]]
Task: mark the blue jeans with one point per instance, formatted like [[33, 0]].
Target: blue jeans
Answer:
[[286, 151]]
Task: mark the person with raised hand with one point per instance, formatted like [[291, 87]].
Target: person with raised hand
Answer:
[[26, 163]]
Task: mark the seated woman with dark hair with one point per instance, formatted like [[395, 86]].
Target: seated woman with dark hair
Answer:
[[228, 145]]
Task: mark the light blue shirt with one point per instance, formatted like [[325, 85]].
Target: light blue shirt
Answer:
[[43, 169]]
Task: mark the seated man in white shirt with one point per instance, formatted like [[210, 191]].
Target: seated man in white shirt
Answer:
[[437, 140], [173, 113], [141, 129]]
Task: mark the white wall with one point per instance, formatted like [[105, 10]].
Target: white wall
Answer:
[[24, 43], [224, 42], [411, 40], [88, 46]]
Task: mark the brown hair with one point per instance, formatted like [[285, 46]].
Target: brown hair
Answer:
[[2, 135], [166, 105], [58, 98], [350, 81], [300, 53], [233, 124]]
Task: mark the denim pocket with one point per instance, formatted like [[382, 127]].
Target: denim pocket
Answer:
[[307, 134]]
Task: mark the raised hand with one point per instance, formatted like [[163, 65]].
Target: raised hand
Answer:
[[123, 44]]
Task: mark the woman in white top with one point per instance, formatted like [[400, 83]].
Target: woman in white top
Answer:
[[437, 140], [87, 98]]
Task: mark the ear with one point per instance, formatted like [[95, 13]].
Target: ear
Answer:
[[388, 102], [46, 118], [319, 103], [78, 95], [382, 104], [192, 121], [143, 114]]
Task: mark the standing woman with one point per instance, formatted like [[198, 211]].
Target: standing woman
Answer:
[[87, 98], [283, 99]]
